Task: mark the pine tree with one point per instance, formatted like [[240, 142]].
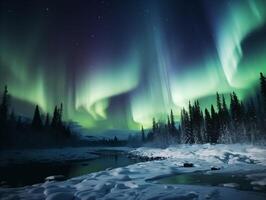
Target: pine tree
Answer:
[[197, 122], [215, 126], [172, 124], [150, 136], [37, 121], [187, 135], [225, 122], [154, 126], [142, 134], [57, 122], [47, 120], [168, 125], [219, 104], [60, 123], [226, 116], [208, 125], [55, 119], [263, 88], [4, 107], [190, 124], [220, 118], [235, 109], [251, 121], [263, 98], [237, 113]]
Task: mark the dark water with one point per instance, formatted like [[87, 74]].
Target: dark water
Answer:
[[239, 181], [31, 173]]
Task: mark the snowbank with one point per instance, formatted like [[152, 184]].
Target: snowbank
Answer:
[[131, 182], [206, 155]]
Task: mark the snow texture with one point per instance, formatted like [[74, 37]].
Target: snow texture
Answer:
[[134, 181]]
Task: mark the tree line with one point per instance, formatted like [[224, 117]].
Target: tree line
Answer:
[[18, 131], [240, 121], [42, 130]]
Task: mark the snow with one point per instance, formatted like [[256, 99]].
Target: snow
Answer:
[[136, 181], [232, 185], [204, 155], [54, 177], [259, 179]]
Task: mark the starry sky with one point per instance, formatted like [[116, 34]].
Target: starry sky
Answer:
[[116, 64]]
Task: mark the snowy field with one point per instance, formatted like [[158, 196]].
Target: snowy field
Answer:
[[136, 181]]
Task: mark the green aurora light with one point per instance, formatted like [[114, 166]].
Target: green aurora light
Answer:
[[149, 77]]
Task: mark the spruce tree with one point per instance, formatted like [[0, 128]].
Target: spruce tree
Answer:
[[225, 122], [191, 123], [208, 125], [263, 88], [47, 120], [142, 134], [154, 126], [60, 123], [263, 98], [4, 107], [172, 124], [251, 121], [37, 121], [197, 122], [219, 104], [150, 136], [57, 122], [215, 126], [187, 135], [235, 109], [237, 113], [55, 119], [226, 116], [220, 117], [168, 125]]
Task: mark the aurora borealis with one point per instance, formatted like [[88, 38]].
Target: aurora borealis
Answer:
[[118, 64]]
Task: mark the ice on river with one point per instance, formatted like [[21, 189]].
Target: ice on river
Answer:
[[133, 181]]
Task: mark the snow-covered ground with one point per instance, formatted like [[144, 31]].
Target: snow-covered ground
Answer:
[[133, 181], [236, 156]]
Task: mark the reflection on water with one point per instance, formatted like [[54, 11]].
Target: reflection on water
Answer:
[[31, 173], [239, 181]]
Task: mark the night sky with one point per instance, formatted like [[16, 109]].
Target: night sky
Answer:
[[116, 64]]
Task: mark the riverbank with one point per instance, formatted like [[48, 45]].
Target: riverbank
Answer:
[[135, 181]]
